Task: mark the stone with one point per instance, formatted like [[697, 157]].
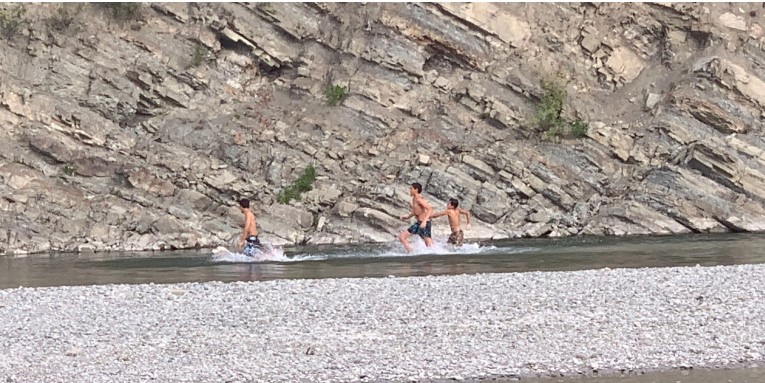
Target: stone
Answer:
[[478, 169], [143, 179], [494, 19], [755, 31], [539, 216], [733, 21], [221, 179], [17, 176], [320, 224], [289, 215], [345, 209], [625, 64], [423, 159], [590, 43], [652, 100], [322, 195], [94, 167]]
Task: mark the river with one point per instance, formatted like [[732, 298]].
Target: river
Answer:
[[363, 261]]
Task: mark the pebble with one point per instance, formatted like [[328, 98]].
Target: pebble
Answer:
[[386, 329]]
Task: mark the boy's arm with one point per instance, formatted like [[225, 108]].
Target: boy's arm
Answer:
[[436, 215], [467, 215], [405, 217]]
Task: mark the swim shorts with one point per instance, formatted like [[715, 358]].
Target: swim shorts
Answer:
[[252, 245], [416, 229], [456, 238]]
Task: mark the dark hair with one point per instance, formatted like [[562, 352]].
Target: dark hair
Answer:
[[417, 186], [245, 203], [454, 202]]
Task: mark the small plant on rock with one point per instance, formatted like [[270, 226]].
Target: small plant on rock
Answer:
[[335, 94], [11, 21], [579, 128], [63, 18], [303, 184], [122, 12], [550, 106], [199, 56], [548, 113], [69, 169]]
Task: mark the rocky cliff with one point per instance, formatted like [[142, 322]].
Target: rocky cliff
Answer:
[[138, 128]]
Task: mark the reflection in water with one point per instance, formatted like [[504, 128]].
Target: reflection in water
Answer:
[[381, 261]]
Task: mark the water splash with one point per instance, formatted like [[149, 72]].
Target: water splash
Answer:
[[387, 250], [269, 254], [438, 248]]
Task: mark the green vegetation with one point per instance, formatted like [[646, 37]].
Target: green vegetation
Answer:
[[335, 94], [301, 185], [579, 128], [548, 113], [63, 18], [550, 106], [11, 20], [199, 55], [69, 169], [237, 115], [122, 12]]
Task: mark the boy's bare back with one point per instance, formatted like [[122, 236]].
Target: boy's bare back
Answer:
[[453, 215]]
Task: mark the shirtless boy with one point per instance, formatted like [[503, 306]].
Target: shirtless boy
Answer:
[[250, 233], [422, 211], [453, 212]]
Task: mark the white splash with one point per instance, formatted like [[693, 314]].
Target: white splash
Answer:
[[388, 250], [438, 248]]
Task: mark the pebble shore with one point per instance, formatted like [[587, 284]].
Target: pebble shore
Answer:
[[422, 329]]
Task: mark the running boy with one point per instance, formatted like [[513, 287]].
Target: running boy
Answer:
[[453, 212], [250, 232]]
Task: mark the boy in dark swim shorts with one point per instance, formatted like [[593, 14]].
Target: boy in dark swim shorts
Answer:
[[251, 246], [250, 232], [421, 210]]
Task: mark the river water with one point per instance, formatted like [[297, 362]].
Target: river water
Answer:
[[384, 260]]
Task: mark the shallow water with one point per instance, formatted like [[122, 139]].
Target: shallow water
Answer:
[[383, 260]]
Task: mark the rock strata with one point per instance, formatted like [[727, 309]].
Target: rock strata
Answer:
[[141, 133]]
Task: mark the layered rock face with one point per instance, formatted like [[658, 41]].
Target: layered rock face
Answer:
[[142, 133]]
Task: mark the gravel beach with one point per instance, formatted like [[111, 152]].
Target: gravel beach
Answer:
[[388, 329]]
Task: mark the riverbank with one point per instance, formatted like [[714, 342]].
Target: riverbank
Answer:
[[387, 329]]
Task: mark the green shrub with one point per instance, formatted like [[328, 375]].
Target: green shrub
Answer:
[[122, 12], [303, 184], [548, 113], [579, 128], [11, 20], [69, 169], [63, 18], [335, 94], [551, 105], [199, 55]]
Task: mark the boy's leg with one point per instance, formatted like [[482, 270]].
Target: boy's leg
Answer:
[[404, 238], [425, 234]]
